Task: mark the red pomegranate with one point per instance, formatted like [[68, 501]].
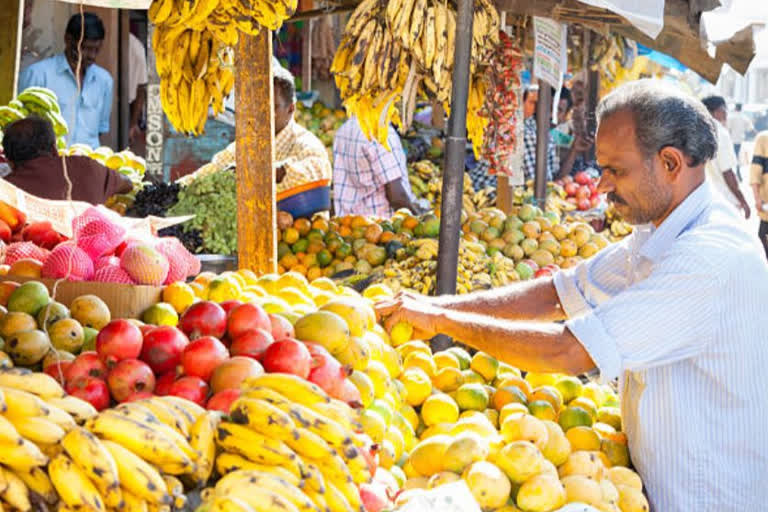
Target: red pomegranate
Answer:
[[231, 373], [281, 327], [582, 178], [92, 390], [87, 364], [204, 318], [193, 389], [229, 305], [202, 356], [119, 339], [247, 317], [162, 348], [164, 383], [58, 370], [222, 401], [287, 356], [326, 371], [139, 395], [130, 376], [251, 344]]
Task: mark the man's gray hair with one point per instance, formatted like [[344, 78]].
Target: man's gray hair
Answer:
[[664, 117]]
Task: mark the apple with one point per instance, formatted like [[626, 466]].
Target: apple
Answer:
[[232, 372], [204, 318], [222, 401], [281, 327], [288, 356]]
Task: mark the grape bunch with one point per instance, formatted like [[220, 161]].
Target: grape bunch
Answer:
[[212, 200], [191, 238], [155, 200]]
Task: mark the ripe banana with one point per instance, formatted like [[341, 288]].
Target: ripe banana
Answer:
[[142, 415], [137, 476], [263, 417], [8, 432], [337, 502], [37, 480], [237, 482], [133, 503], [167, 414], [41, 384], [229, 462], [300, 390], [14, 491], [230, 504], [22, 456], [21, 404], [203, 441], [38, 429], [253, 445], [73, 486], [94, 460], [80, 410]]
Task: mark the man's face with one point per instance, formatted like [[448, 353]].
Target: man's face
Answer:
[[634, 184], [90, 50], [283, 112], [721, 114], [562, 111], [529, 107]]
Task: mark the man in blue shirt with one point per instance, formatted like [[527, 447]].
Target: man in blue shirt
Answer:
[[86, 108]]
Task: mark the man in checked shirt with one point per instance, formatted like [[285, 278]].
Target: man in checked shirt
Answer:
[[676, 311]]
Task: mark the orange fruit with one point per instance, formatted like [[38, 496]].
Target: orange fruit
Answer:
[[518, 382], [507, 395], [289, 261], [291, 235], [321, 224], [550, 394], [314, 272], [302, 226]]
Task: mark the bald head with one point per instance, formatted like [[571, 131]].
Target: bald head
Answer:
[[27, 139]]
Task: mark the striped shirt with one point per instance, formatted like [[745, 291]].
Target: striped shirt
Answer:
[[678, 315], [303, 155], [361, 170]]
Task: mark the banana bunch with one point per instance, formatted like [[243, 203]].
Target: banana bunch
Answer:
[[40, 101], [299, 453], [193, 44], [426, 179]]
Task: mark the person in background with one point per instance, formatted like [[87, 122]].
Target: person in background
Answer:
[[368, 179], [675, 311], [758, 178], [720, 169], [28, 55], [739, 126], [85, 100], [36, 167], [137, 87]]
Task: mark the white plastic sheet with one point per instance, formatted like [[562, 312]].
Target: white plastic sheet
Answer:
[[646, 15]]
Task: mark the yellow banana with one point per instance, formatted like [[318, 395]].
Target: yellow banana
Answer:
[[38, 429], [40, 384], [313, 477], [238, 482], [144, 416], [318, 499], [230, 504], [145, 441], [300, 390], [308, 444], [94, 460], [80, 410], [133, 503], [160, 10], [428, 39], [168, 415], [8, 432], [50, 450], [22, 456], [253, 445], [203, 441], [412, 37], [15, 492], [138, 476], [336, 500], [193, 410], [22, 403], [260, 499], [73, 485], [229, 462], [174, 485], [60, 417], [263, 417], [37, 480]]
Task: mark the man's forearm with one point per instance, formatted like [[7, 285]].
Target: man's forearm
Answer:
[[535, 347], [534, 300], [567, 164], [756, 192], [733, 185]]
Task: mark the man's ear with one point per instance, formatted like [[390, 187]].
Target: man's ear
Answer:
[[672, 161], [292, 108]]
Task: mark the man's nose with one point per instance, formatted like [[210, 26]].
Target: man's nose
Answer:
[[606, 184]]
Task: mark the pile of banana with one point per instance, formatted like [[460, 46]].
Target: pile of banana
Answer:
[[618, 227], [426, 179], [193, 44], [40, 101], [394, 51], [476, 270], [299, 453], [59, 449]]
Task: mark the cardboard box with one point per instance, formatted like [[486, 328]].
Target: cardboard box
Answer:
[[123, 300]]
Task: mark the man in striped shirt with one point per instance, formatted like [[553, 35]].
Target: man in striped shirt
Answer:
[[676, 311]]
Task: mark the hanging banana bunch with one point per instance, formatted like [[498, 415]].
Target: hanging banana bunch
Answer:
[[193, 44], [393, 52]]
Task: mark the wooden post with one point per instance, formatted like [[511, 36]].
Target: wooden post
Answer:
[[254, 133], [306, 56], [543, 120], [503, 193], [11, 18]]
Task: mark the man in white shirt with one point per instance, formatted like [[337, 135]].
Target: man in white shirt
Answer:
[[675, 311], [137, 86], [720, 168], [739, 127]]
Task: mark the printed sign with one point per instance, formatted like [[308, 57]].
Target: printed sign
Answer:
[[550, 59]]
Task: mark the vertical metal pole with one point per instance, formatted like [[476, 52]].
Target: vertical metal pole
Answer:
[[455, 149], [543, 116], [254, 132], [306, 56]]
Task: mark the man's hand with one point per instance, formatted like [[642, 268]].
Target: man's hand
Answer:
[[280, 174], [412, 309], [745, 207], [583, 143]]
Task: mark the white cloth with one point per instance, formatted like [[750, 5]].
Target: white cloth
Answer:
[[137, 66], [739, 125], [725, 159], [678, 315]]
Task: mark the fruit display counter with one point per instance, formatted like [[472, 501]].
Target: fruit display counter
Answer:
[[276, 393]]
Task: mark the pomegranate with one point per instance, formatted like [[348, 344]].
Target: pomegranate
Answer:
[[231, 373], [202, 356], [229, 305], [288, 356], [139, 395], [584, 204], [163, 347], [582, 178], [164, 383], [583, 193], [543, 272], [222, 401], [58, 370], [281, 327], [204, 318], [571, 188], [247, 317], [92, 390], [252, 344], [145, 328], [87, 364], [118, 340], [130, 376], [193, 389], [350, 394], [326, 371], [374, 497]]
